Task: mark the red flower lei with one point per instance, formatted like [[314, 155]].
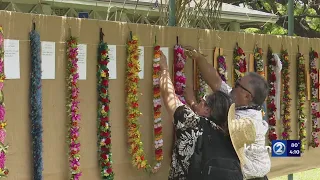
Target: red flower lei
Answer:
[[271, 104], [285, 76], [315, 114], [158, 141], [239, 61], [104, 131]]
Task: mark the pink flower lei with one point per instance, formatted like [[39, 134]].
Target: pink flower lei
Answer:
[[315, 114], [73, 108], [3, 150], [179, 76]]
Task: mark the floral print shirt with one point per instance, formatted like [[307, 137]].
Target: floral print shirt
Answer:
[[188, 130]]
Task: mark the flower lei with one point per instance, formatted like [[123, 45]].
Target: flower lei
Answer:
[[285, 103], [259, 68], [104, 129], [202, 86], [258, 61], [301, 101], [157, 110], [222, 68], [133, 112], [271, 104], [179, 76], [36, 104], [239, 61], [314, 98], [73, 109], [3, 148]]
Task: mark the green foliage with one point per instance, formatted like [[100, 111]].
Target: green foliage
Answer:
[[301, 12], [268, 29]]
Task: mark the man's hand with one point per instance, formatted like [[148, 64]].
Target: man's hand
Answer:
[[163, 62], [209, 74], [191, 52]]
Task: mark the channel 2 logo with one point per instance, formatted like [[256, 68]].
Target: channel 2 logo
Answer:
[[286, 148]]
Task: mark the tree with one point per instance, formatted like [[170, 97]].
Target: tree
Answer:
[[206, 13], [306, 17]]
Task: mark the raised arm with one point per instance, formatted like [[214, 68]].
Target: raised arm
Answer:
[[168, 94], [190, 98], [208, 72]]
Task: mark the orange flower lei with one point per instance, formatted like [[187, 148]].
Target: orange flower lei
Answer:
[[158, 142], [133, 112]]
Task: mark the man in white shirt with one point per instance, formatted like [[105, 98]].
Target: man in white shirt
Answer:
[[249, 94]]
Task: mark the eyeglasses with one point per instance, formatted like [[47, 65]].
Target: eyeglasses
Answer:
[[239, 85], [204, 99]]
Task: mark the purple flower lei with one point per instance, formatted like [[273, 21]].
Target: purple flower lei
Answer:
[[222, 68], [73, 108]]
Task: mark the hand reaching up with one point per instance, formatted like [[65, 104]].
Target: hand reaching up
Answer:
[[192, 53], [189, 95], [163, 62]]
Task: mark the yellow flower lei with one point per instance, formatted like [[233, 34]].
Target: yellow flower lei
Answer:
[[133, 112], [286, 97], [301, 104]]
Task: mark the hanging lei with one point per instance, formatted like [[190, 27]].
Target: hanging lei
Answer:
[[259, 67], [258, 61], [301, 101], [271, 104], [179, 76], [239, 61], [3, 148], [36, 104], [285, 76], [133, 112], [104, 127], [222, 67], [314, 98], [202, 86], [158, 142], [73, 109]]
